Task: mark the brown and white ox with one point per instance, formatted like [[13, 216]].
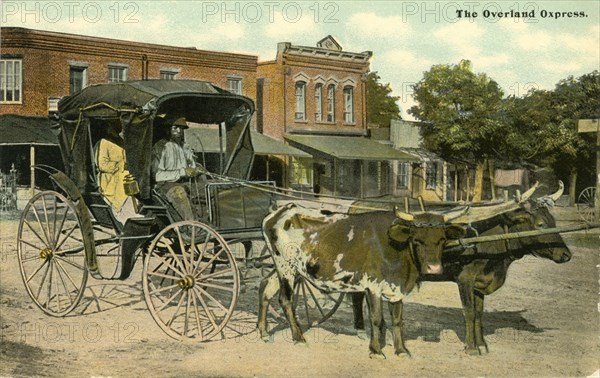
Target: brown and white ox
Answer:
[[381, 253], [482, 269]]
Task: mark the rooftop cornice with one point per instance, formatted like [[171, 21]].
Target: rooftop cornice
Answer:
[[327, 54], [30, 38]]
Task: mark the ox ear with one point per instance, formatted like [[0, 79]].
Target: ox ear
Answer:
[[455, 231], [399, 233]]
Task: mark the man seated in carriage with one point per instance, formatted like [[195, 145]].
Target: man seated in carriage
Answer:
[[173, 165], [112, 172]]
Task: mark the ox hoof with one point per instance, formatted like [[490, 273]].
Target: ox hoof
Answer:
[[264, 336], [377, 356], [301, 343], [472, 351], [362, 334], [483, 349], [403, 355]]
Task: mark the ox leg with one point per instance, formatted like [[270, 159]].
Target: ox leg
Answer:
[[376, 314], [396, 313], [357, 310], [269, 286], [467, 297], [286, 293], [479, 339]]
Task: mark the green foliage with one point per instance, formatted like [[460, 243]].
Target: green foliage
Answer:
[[381, 106], [469, 119], [464, 111]]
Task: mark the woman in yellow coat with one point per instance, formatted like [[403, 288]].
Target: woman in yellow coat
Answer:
[[110, 159]]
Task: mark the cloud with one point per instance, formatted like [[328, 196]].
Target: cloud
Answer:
[[460, 34], [372, 25], [533, 40], [470, 41], [583, 44], [488, 61], [403, 59], [282, 28]]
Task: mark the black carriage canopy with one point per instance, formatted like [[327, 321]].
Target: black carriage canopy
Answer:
[[142, 107]]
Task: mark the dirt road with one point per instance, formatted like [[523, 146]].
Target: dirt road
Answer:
[[543, 322]]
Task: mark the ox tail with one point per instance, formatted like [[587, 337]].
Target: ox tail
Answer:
[[269, 229]]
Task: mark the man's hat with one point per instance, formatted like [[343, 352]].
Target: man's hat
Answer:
[[181, 122]]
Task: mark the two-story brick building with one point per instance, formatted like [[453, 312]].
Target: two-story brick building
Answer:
[[37, 67], [315, 99]]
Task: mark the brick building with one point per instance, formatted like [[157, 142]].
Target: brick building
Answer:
[[314, 98], [311, 98], [38, 67]]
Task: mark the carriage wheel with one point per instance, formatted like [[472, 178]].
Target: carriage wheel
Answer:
[[586, 204], [51, 253], [191, 281], [313, 306]]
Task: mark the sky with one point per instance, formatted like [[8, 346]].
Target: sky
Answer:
[[519, 44]]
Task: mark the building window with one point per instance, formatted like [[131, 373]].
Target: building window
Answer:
[[168, 75], [77, 78], [319, 102], [300, 101], [431, 174], [402, 178], [348, 104], [234, 85], [10, 81], [117, 74], [331, 103]]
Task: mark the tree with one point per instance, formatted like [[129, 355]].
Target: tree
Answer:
[[463, 111], [381, 106], [544, 128]]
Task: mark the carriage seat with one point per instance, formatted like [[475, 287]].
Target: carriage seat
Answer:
[[105, 215]]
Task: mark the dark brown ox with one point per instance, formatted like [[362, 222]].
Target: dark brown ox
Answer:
[[379, 253], [482, 269]]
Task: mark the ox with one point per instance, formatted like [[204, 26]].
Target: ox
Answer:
[[380, 253], [482, 269]]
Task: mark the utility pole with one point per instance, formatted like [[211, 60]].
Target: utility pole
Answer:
[[590, 126]]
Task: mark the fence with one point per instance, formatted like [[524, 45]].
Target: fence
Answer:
[[8, 190]]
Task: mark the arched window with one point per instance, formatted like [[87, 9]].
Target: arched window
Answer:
[[348, 104], [319, 102], [331, 103], [300, 101]]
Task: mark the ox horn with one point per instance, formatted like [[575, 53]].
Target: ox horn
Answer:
[[452, 215], [479, 213], [528, 193], [404, 216], [556, 195]]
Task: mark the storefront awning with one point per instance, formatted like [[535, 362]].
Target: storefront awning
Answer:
[[207, 139], [422, 154], [354, 148], [26, 130], [264, 145]]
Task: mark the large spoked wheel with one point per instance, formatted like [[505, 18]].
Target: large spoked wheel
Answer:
[[191, 281], [586, 204], [51, 253], [313, 306]]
